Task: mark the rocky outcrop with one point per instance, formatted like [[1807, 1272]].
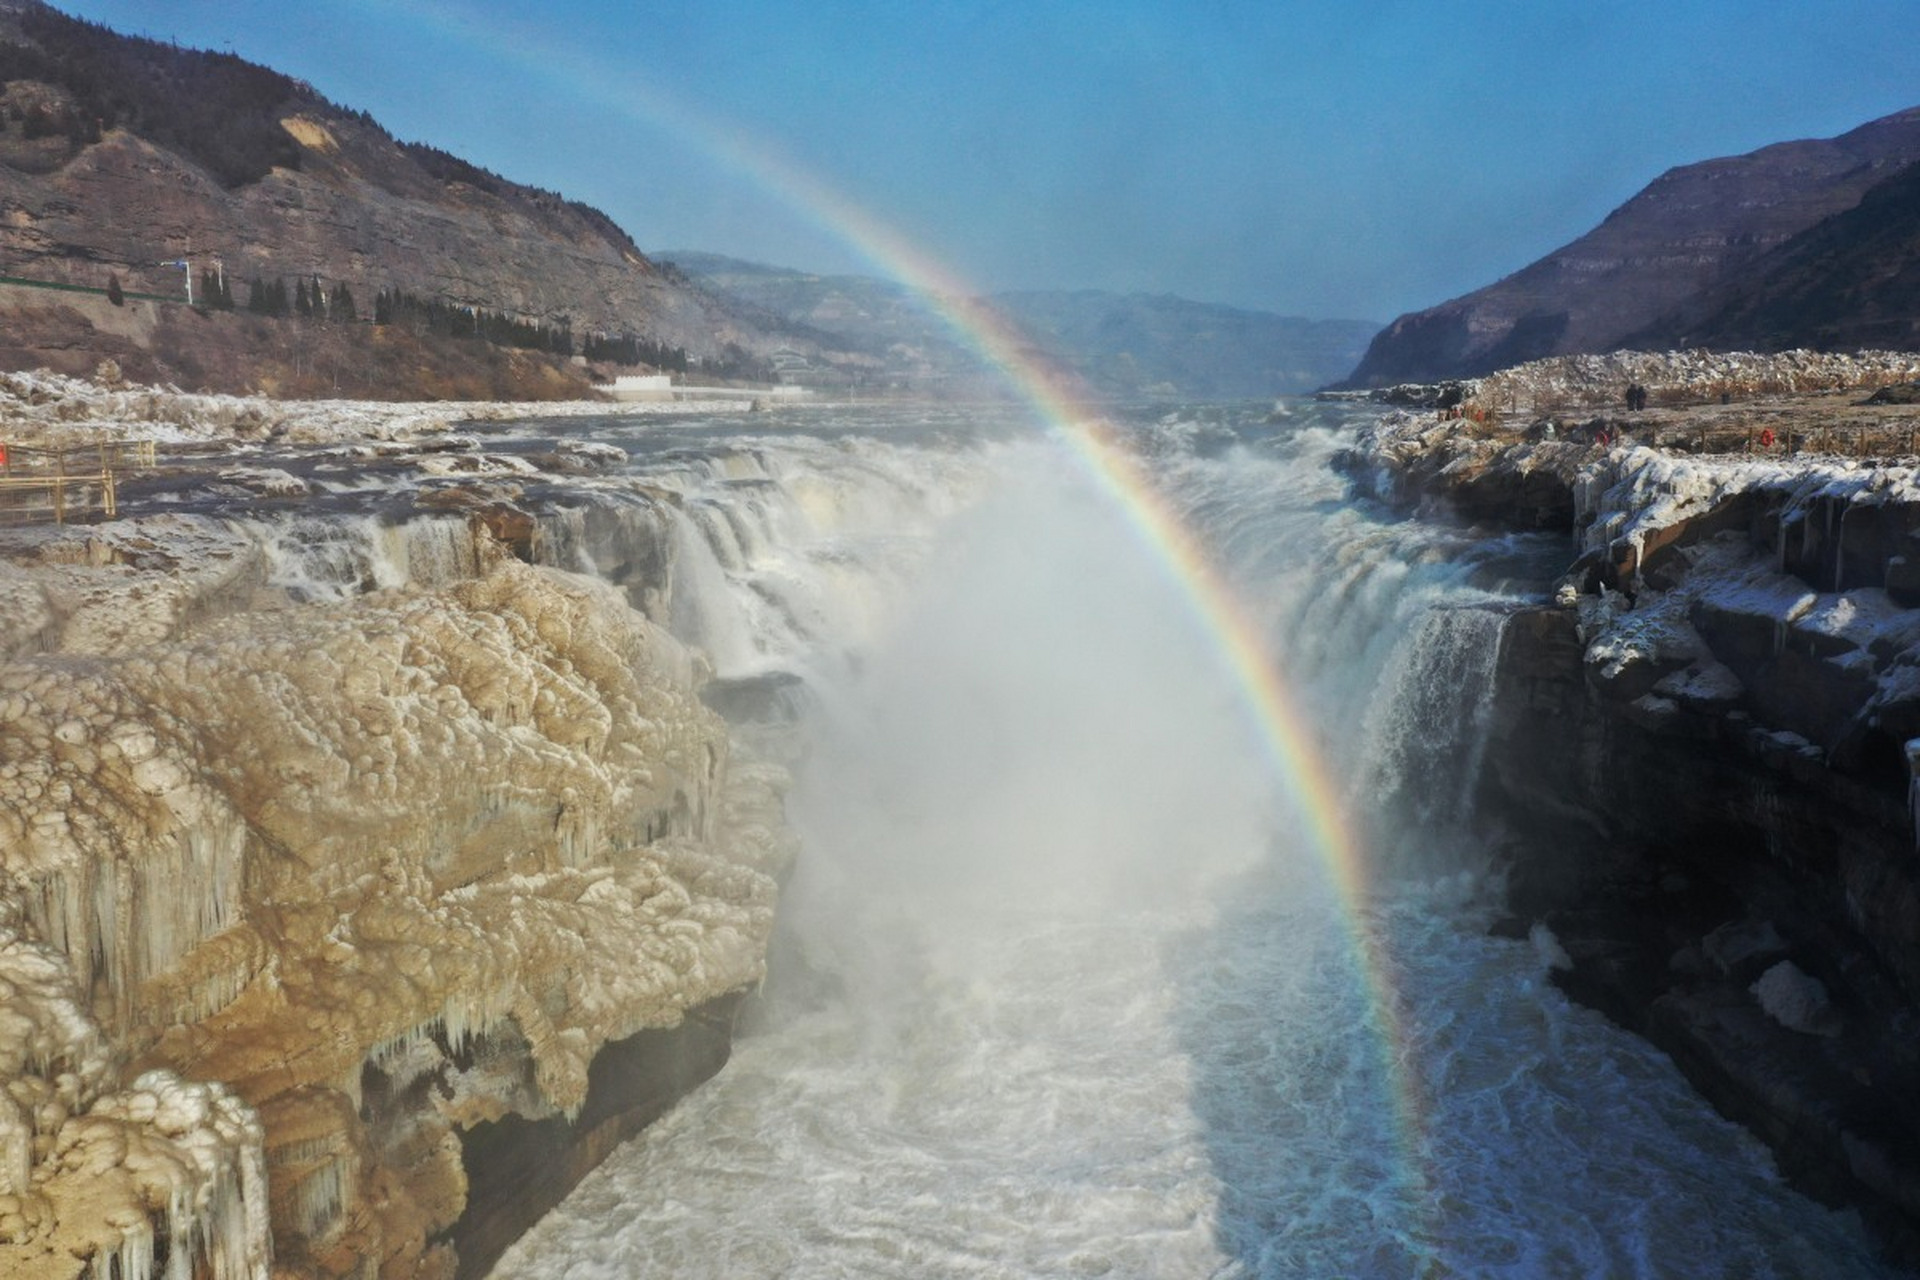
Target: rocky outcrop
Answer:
[[1702, 753], [1744, 897], [1689, 232], [517, 1168], [308, 903]]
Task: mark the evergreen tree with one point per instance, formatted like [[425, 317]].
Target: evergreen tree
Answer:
[[302, 304], [214, 293], [114, 293], [258, 303], [340, 306]]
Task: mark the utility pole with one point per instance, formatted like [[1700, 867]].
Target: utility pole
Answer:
[[186, 267]]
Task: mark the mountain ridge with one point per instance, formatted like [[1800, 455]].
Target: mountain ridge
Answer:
[[122, 157], [1115, 345], [1851, 280], [1692, 230]]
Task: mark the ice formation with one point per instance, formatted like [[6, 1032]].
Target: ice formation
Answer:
[[98, 1178], [1632, 493], [39, 407], [471, 831], [1599, 380], [1796, 1000]]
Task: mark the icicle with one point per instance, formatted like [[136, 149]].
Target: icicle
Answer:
[[185, 893], [1839, 541], [578, 837], [466, 1017], [320, 1199], [16, 1148], [184, 1230], [1913, 787], [249, 1247], [133, 1260]]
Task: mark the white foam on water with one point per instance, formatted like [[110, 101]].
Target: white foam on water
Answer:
[[1063, 995]]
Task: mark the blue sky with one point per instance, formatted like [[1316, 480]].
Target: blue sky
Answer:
[[1355, 159]]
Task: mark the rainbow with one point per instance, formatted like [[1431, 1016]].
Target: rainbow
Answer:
[[1283, 731]]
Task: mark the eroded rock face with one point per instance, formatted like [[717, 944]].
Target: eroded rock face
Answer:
[[519, 1168], [1703, 753], [1727, 888], [383, 869]]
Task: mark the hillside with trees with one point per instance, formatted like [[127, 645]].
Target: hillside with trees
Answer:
[[164, 172]]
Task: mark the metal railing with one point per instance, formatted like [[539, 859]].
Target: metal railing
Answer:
[[63, 484]]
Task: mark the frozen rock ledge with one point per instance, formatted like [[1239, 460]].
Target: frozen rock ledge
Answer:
[[299, 896]]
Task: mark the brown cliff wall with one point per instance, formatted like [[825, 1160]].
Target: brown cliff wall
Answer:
[[1699, 765]]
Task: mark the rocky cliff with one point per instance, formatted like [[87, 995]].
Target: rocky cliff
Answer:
[[1702, 753], [1692, 231]]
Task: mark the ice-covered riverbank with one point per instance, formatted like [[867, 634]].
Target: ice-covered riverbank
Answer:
[[48, 410], [417, 718], [1709, 741], [385, 850]]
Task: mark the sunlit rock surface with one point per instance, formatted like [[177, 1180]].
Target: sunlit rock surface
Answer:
[[299, 893]]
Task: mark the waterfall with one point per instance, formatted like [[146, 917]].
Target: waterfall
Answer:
[[1064, 983], [1424, 734], [704, 610], [325, 558], [1061, 987]]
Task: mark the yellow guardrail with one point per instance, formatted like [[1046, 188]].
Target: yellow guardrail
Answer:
[[59, 496], [64, 483]]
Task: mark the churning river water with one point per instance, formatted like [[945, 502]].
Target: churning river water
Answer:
[[1063, 986]]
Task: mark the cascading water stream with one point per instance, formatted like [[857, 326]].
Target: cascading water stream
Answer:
[[1060, 989]]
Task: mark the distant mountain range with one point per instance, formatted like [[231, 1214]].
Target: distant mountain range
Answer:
[[1807, 243], [1122, 346], [144, 170]]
